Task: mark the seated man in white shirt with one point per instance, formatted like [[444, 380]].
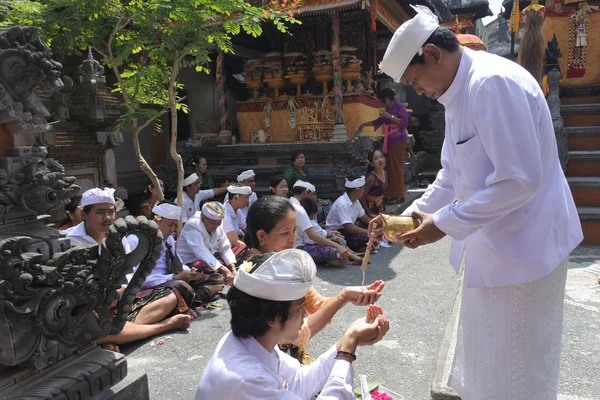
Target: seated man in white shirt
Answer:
[[234, 222], [204, 245], [324, 251], [192, 196], [98, 215], [171, 276], [311, 208], [246, 178], [346, 211], [267, 306]]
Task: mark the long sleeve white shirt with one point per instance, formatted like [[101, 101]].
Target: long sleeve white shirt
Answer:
[[195, 243], [251, 199], [189, 206], [241, 369], [501, 194], [233, 220], [160, 273]]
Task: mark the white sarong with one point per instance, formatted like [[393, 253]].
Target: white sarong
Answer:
[[509, 340]]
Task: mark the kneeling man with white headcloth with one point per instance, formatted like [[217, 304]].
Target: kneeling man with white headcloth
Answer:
[[267, 306]]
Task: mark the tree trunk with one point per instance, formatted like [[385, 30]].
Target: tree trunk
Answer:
[[173, 147], [144, 166]]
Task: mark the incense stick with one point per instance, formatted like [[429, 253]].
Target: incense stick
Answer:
[[366, 257]]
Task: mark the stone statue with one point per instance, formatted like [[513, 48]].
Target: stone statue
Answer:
[[551, 56], [55, 300]]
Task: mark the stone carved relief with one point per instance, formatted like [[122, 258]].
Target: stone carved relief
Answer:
[[49, 308], [25, 64], [553, 100]]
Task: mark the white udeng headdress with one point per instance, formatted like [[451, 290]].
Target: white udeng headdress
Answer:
[[213, 210], [98, 196], [246, 175], [306, 185], [237, 189], [357, 183], [286, 276], [168, 211], [407, 42]]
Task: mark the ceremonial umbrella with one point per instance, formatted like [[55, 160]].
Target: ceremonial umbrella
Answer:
[[471, 41]]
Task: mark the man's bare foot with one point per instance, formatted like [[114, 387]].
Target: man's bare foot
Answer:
[[191, 313], [111, 347], [179, 321]]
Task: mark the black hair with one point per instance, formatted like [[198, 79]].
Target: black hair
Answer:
[[351, 178], [264, 214], [88, 208], [387, 93], [443, 38], [70, 207], [276, 180], [295, 155], [250, 316], [310, 206], [370, 156]]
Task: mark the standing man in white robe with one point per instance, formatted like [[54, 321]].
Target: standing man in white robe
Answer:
[[203, 237], [192, 196], [246, 178], [267, 306], [502, 197]]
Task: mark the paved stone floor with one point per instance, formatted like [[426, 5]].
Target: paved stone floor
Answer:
[[419, 294], [418, 297]]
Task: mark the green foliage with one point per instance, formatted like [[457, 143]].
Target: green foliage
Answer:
[[146, 42]]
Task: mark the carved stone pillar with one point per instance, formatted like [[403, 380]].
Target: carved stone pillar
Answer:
[[54, 298], [553, 100], [339, 131]]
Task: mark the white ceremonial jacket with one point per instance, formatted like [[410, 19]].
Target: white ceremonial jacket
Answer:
[[189, 206], [195, 243], [343, 211], [233, 220], [501, 194], [160, 273], [251, 199], [79, 236], [241, 369]]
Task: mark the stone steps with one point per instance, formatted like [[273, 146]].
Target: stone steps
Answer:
[[585, 190], [584, 163], [580, 115], [581, 138], [590, 222]]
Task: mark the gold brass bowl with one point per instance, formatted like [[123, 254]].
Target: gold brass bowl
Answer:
[[395, 225]]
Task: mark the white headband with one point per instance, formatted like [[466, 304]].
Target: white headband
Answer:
[[286, 276], [236, 189], [168, 211], [407, 42], [190, 179], [213, 210], [357, 183], [98, 196], [246, 175], [306, 185]]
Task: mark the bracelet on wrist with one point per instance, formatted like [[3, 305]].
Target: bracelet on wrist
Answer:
[[345, 354]]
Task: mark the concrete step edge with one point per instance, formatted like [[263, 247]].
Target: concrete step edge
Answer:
[[584, 182], [582, 130], [589, 214], [584, 155], [579, 109]]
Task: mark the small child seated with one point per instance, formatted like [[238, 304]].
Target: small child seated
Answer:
[[311, 208]]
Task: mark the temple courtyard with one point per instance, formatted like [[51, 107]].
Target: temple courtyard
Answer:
[[419, 298]]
